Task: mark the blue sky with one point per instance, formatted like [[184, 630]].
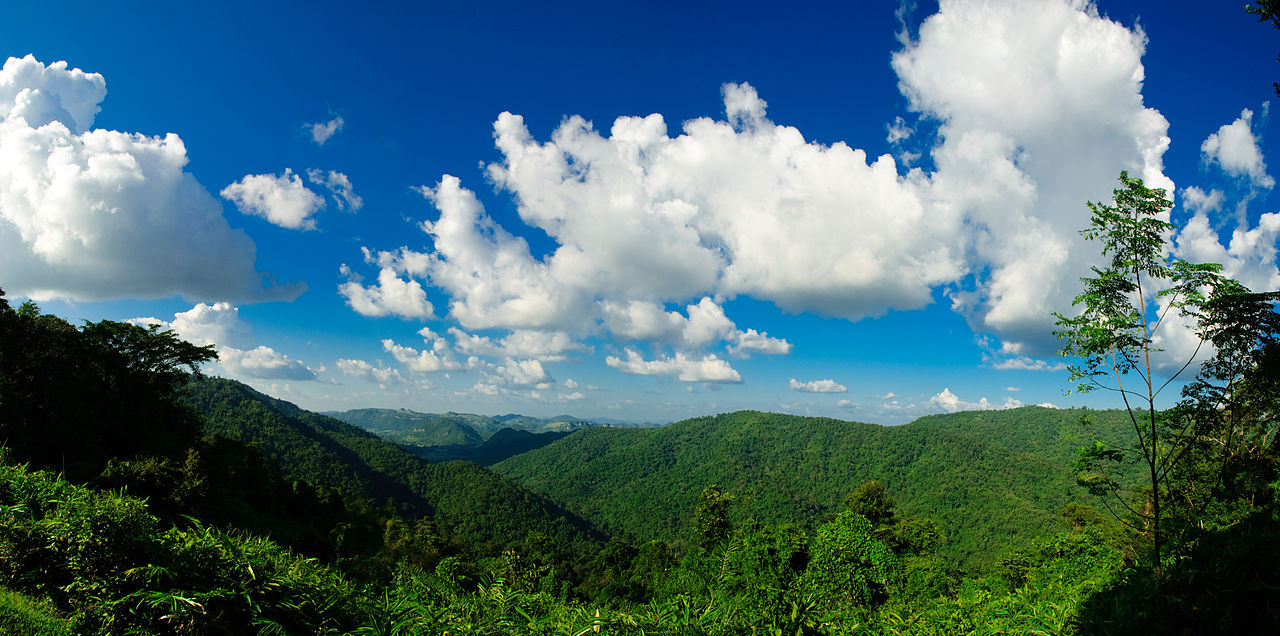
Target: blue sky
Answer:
[[861, 210]]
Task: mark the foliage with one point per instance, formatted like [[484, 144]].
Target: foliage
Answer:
[[20, 614], [873, 502], [988, 479], [1123, 309], [849, 567], [71, 399], [107, 565]]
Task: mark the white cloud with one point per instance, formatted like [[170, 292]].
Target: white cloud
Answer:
[[703, 324], [281, 200], [1013, 389], [219, 324], [486, 389], [91, 214], [339, 186], [544, 346], [438, 358], [818, 386], [709, 368], [751, 341], [390, 296], [1196, 200], [362, 369], [1040, 107], [1024, 363], [848, 404], [570, 384], [322, 131], [898, 130], [263, 363], [1249, 257], [572, 397], [1235, 148], [951, 403], [41, 94], [523, 373]]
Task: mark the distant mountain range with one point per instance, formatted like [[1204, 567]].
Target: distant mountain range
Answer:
[[482, 439]]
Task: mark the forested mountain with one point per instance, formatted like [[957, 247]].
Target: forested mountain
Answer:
[[441, 429], [507, 442], [410, 427], [991, 481], [465, 500]]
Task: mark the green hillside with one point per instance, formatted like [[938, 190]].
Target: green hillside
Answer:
[[466, 501], [505, 443], [451, 429], [410, 427], [991, 482]]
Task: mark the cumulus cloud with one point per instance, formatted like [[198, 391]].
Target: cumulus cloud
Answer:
[[1040, 107], [1235, 148], [1197, 200], [524, 373], [282, 200], [818, 386], [544, 346], [90, 214], [703, 324], [205, 324], [339, 187], [362, 369], [709, 368], [263, 363], [1024, 363], [322, 131], [1249, 256], [390, 296], [752, 341], [438, 358], [951, 403]]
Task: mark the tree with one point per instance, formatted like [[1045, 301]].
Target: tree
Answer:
[[1125, 309], [71, 398], [849, 566], [872, 501], [711, 516]]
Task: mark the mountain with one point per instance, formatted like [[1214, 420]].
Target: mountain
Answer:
[[466, 501], [507, 442], [452, 429], [410, 427], [991, 482]]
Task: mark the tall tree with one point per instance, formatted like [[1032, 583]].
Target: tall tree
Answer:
[[1124, 310]]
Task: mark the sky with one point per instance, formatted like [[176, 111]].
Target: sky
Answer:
[[866, 210]]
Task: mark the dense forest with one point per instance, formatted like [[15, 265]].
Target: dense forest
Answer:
[[137, 496]]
